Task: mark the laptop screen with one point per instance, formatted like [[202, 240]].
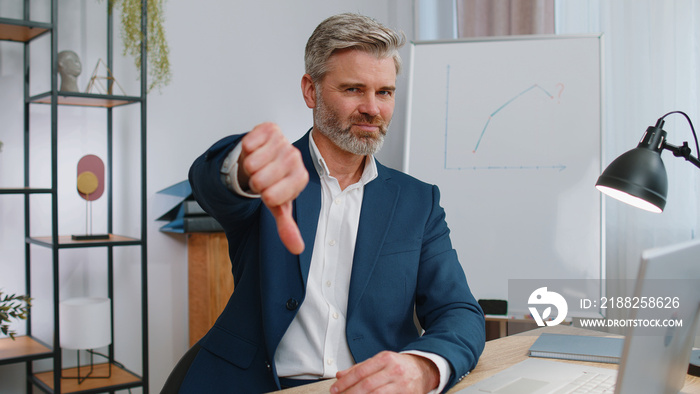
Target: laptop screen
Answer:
[[663, 320]]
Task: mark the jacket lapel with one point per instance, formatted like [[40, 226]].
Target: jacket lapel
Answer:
[[378, 206], [308, 207], [284, 275]]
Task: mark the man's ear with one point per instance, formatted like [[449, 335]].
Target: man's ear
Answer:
[[308, 89]]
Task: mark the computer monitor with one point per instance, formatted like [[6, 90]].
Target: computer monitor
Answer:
[[667, 292]]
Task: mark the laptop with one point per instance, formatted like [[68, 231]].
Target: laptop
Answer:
[[653, 360]]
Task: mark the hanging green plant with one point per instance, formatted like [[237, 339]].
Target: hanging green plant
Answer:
[[156, 45], [12, 307]]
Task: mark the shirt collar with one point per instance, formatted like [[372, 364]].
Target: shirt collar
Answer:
[[368, 174]]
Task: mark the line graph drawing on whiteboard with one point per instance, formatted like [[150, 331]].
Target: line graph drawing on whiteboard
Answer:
[[533, 90], [494, 113]]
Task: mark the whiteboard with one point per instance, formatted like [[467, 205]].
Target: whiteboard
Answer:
[[510, 129]]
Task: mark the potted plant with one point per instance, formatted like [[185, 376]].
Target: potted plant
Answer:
[[12, 307], [156, 45]]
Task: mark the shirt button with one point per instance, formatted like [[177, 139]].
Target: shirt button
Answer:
[[331, 242], [335, 315], [338, 201], [329, 361], [328, 283]]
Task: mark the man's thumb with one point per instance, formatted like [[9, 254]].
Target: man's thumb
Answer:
[[287, 228]]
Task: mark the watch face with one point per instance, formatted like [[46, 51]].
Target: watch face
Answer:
[[230, 161]]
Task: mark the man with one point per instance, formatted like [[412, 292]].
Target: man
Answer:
[[333, 253]]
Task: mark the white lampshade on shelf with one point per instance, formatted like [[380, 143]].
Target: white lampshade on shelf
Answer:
[[85, 323]]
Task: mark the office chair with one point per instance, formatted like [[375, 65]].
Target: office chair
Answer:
[[177, 375]]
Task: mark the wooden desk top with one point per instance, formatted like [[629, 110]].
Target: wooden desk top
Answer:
[[500, 354]]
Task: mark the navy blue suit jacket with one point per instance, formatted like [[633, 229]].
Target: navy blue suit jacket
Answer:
[[403, 260]]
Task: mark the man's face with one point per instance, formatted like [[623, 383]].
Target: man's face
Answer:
[[355, 101]]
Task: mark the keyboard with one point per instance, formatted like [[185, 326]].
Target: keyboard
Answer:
[[589, 382], [541, 376]]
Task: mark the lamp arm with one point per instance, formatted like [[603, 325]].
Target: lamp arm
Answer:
[[660, 123], [682, 151]]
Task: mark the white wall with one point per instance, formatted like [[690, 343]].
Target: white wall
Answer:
[[235, 64], [435, 20]]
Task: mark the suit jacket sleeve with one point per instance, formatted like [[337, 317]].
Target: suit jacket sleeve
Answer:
[[404, 263], [446, 309], [234, 212]]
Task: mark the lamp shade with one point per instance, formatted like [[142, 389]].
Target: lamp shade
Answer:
[[85, 323], [638, 177]]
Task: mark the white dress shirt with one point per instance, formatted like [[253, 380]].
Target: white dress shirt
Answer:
[[315, 345]]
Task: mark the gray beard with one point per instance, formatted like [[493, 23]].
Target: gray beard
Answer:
[[361, 144]]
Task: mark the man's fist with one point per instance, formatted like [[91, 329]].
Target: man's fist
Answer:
[[270, 166]]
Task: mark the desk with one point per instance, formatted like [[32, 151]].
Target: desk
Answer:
[[501, 326], [500, 354]]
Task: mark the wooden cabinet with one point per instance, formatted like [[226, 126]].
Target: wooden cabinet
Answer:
[[210, 281]]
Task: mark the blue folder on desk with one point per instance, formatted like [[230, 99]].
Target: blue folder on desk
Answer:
[[578, 347]]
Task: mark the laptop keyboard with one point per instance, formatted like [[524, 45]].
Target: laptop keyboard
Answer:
[[547, 377], [589, 382]]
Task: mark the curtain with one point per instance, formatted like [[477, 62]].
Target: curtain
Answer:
[[651, 66], [476, 18]]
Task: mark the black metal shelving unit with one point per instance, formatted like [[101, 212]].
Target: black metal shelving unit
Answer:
[[27, 349]]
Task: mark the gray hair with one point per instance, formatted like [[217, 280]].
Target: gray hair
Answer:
[[350, 31]]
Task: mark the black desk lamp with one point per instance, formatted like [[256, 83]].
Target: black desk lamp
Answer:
[[638, 176]]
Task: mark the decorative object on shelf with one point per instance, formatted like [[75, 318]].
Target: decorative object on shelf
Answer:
[[96, 84], [638, 176], [157, 46], [85, 324], [12, 307], [91, 185], [69, 67], [186, 216]]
